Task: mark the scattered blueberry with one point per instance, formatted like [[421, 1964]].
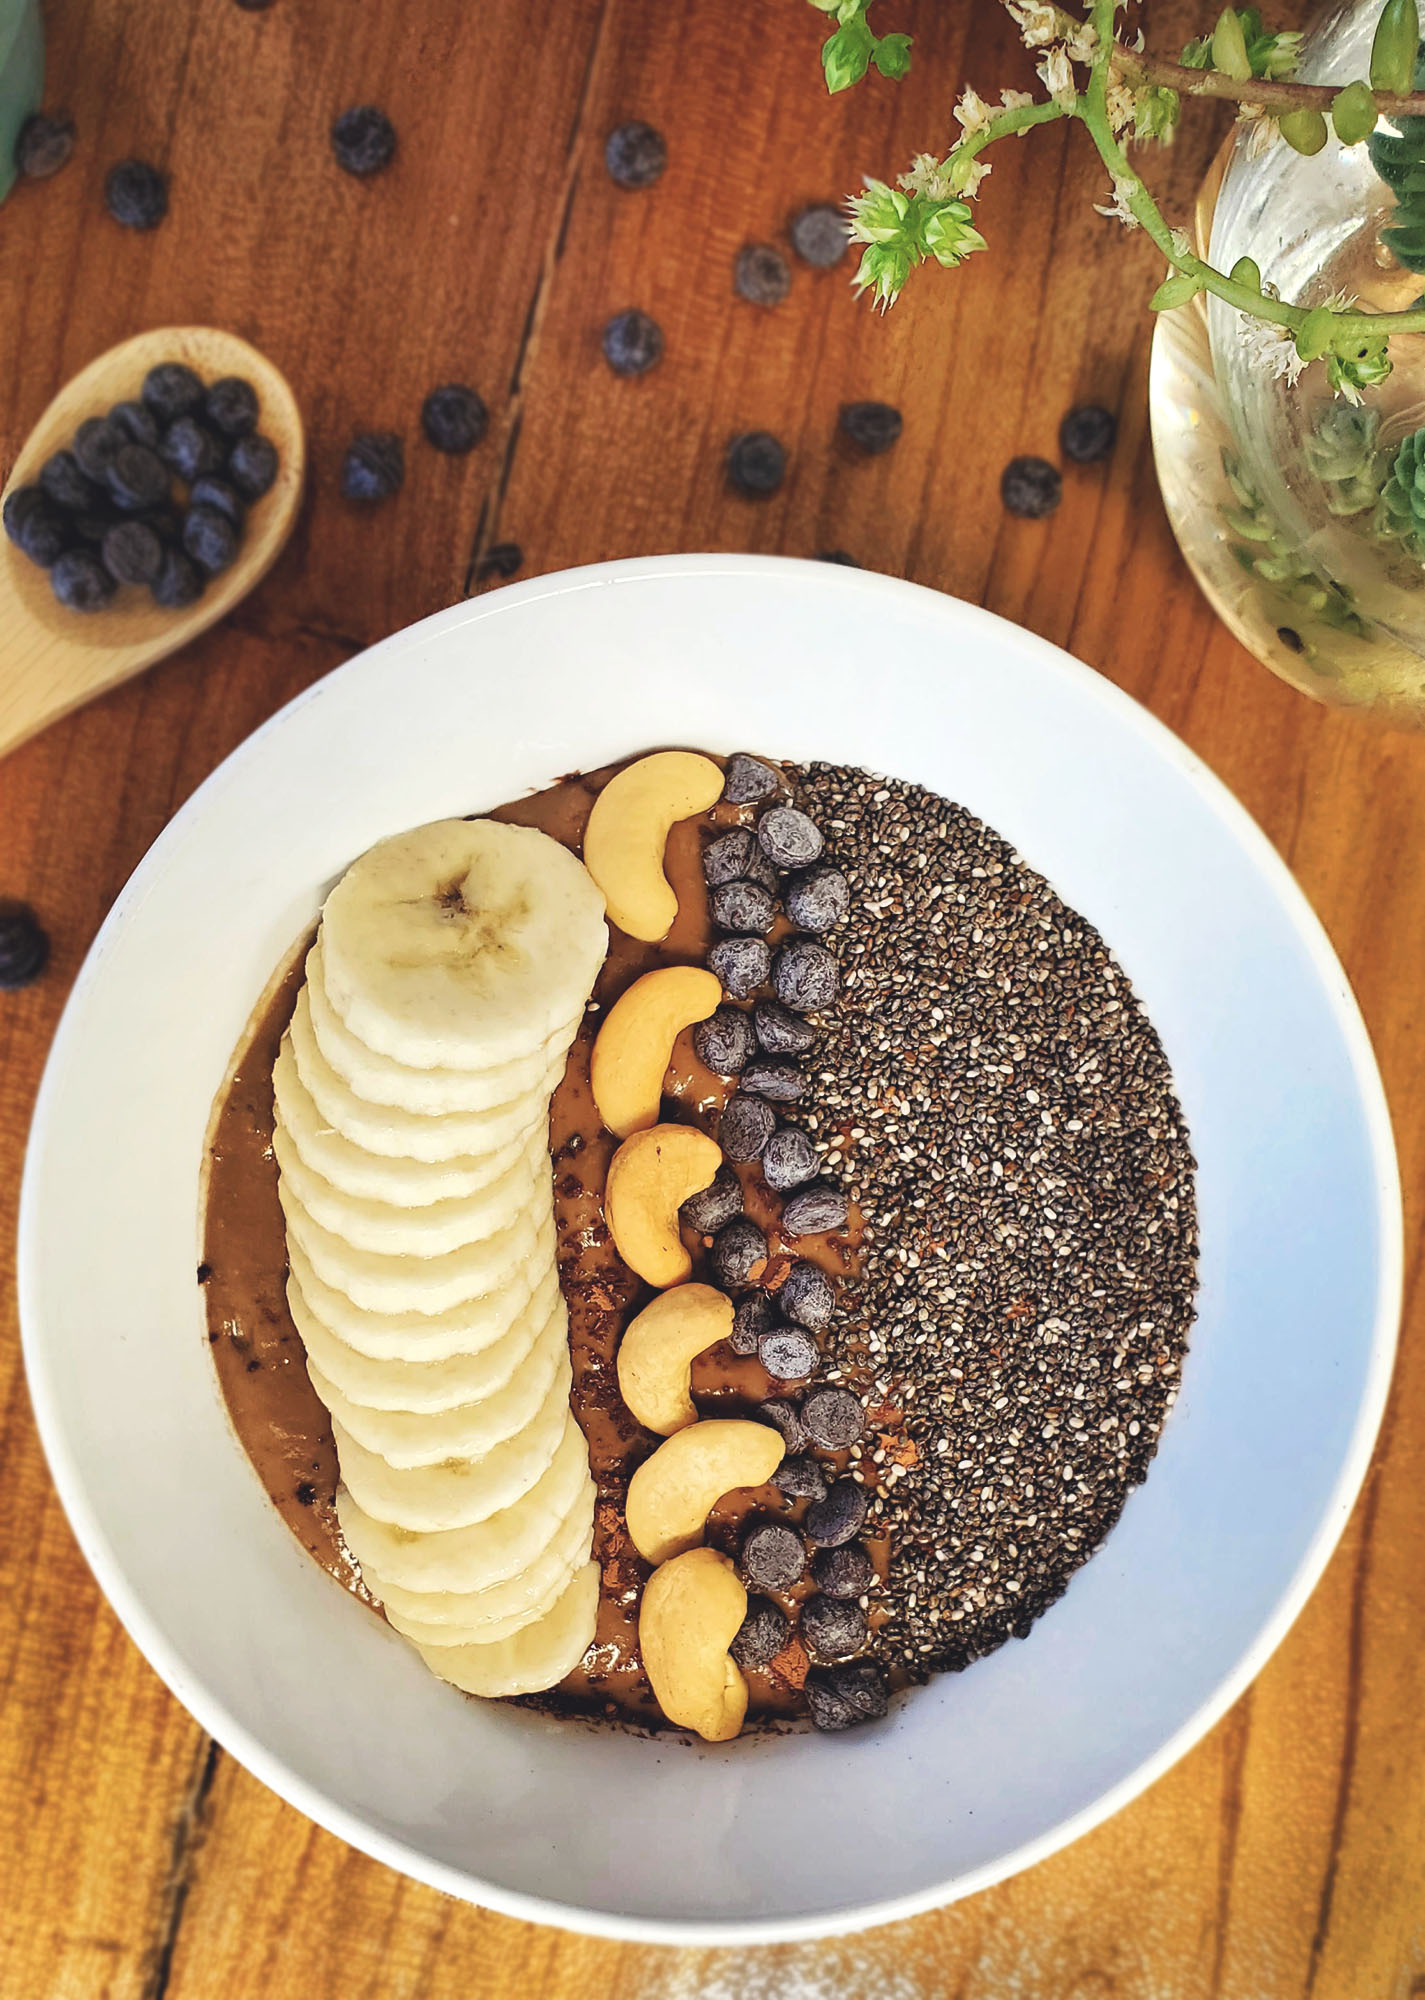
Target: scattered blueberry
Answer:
[[1088, 434], [788, 838], [374, 467], [132, 553], [1031, 488], [137, 478], [841, 1697], [363, 140], [756, 463], [761, 275], [871, 427], [779, 1031], [819, 235], [833, 1418], [96, 445], [817, 898], [843, 1572], [454, 418], [715, 1204], [739, 1250], [252, 465], [761, 1635], [44, 145], [839, 1517], [789, 1159], [837, 556], [807, 1294], [35, 525], [779, 1082], [136, 422], [24, 946], [633, 343], [772, 1556], [62, 482], [804, 974], [751, 1320], [781, 1412], [230, 406], [724, 1041], [749, 780], [80, 581], [635, 154], [178, 583], [800, 1478], [191, 450], [210, 538], [501, 559], [814, 1210], [213, 492], [254, 6], [746, 1126], [742, 964], [170, 390], [788, 1353], [743, 906], [832, 1628], [136, 194]]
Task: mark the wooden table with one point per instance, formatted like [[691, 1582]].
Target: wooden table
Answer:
[[1286, 1855]]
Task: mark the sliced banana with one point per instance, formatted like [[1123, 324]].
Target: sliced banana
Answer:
[[495, 1614], [462, 944], [406, 1438], [491, 1551], [376, 1176], [538, 1656], [462, 1491], [430, 1092], [381, 1383]]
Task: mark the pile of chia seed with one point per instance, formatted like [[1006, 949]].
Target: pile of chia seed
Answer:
[[1000, 1108]]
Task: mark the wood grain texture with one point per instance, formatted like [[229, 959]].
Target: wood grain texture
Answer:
[[1285, 1857]]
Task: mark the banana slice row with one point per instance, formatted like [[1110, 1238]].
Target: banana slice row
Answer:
[[412, 1097]]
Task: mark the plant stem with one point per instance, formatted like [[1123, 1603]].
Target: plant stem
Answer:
[[1256, 90]]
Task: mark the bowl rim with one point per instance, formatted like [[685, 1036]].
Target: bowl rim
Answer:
[[211, 1713]]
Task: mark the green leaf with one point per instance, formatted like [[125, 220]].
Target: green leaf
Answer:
[[1396, 44], [1353, 113], [1155, 113], [1313, 336], [1245, 272], [1229, 46], [846, 55], [1304, 131], [892, 56], [1198, 54], [1175, 291]]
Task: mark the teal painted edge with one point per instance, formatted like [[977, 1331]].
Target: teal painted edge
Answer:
[[22, 77]]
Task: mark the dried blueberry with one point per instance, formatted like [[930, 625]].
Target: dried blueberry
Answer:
[[166, 519], [736, 857], [761, 1635], [36, 526], [788, 1353], [230, 406], [745, 907], [742, 964], [772, 1556], [635, 154], [815, 1209], [136, 194], [724, 1041], [789, 1159], [807, 1294], [779, 1082], [1088, 433], [779, 1031], [819, 235], [837, 556], [756, 463], [804, 975], [749, 780], [138, 424], [454, 418], [745, 1127], [839, 1517], [210, 538], [374, 467], [500, 559], [788, 838], [1030, 487], [840, 1697], [95, 521], [781, 1413], [219, 493], [191, 450], [132, 553], [739, 1251], [44, 144], [170, 390], [761, 275], [178, 583], [817, 898], [62, 482], [633, 343], [24, 946], [800, 1478], [715, 1204], [363, 140], [137, 478], [832, 1627], [844, 1572], [871, 427], [97, 444], [80, 581], [252, 466], [834, 1418], [750, 1321]]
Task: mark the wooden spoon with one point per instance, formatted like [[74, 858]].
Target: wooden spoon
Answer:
[[53, 660]]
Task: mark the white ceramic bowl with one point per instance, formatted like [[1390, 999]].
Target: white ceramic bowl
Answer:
[[979, 1774]]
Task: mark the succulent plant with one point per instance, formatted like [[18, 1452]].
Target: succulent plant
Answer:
[[1402, 500]]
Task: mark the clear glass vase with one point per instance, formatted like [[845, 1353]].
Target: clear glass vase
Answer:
[[1273, 488]]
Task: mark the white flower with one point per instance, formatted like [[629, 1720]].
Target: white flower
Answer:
[[1037, 21], [1122, 105], [1271, 347], [1118, 210], [1339, 302], [1015, 100], [1260, 134], [973, 112], [1057, 77], [1182, 243], [1082, 44], [971, 173]]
